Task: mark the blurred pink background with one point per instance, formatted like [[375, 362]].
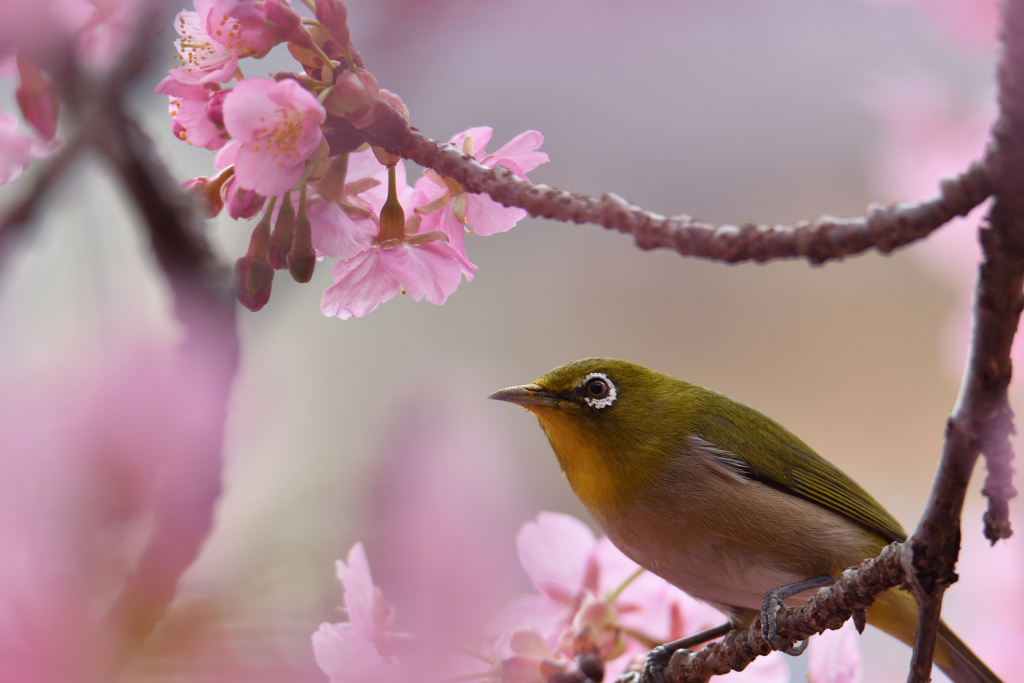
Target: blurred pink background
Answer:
[[377, 429]]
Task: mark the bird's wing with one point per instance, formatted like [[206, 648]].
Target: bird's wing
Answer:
[[778, 458]]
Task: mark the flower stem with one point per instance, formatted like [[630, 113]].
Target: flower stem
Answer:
[[629, 579]]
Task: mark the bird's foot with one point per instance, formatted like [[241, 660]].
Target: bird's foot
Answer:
[[657, 660], [770, 617], [659, 657], [773, 603]]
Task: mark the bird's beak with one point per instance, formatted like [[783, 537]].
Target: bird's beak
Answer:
[[526, 396]]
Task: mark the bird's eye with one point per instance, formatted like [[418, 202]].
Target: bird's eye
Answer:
[[597, 390]]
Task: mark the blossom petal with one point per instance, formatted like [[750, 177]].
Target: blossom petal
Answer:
[[361, 284], [487, 217], [481, 136], [522, 152], [278, 125], [554, 551], [430, 270], [359, 591], [348, 657], [337, 234], [444, 220]]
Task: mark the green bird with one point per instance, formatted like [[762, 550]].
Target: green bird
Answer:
[[717, 498]]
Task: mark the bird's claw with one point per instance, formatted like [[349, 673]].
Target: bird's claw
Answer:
[[654, 667], [770, 619], [770, 625]]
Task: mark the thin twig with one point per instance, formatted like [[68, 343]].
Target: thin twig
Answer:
[[886, 227]]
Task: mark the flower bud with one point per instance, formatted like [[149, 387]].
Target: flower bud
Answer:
[[253, 279], [286, 24], [215, 108], [334, 17], [395, 101], [241, 203], [207, 193], [253, 274], [302, 257], [284, 230], [354, 97]]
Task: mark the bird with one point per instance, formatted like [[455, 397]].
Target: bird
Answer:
[[717, 498]]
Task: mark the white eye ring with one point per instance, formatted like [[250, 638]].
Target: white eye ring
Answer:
[[605, 401]]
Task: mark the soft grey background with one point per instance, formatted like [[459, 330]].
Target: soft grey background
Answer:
[[729, 110]]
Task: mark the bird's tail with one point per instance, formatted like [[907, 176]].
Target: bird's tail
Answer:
[[895, 612]]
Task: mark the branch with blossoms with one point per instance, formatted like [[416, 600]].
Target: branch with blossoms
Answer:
[[321, 193]]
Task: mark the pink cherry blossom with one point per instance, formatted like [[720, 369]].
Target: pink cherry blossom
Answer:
[[432, 270], [346, 225], [986, 606], [92, 32], [348, 652], [240, 25], [834, 656], [586, 581], [347, 657], [191, 118], [278, 126], [202, 59], [450, 209], [421, 264]]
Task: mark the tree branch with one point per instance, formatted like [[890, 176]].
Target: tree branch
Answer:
[[886, 227], [829, 608]]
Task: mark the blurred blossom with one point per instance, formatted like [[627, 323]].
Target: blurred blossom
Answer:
[[928, 135], [93, 32], [986, 606], [350, 652], [834, 656], [444, 509], [585, 582], [108, 477]]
